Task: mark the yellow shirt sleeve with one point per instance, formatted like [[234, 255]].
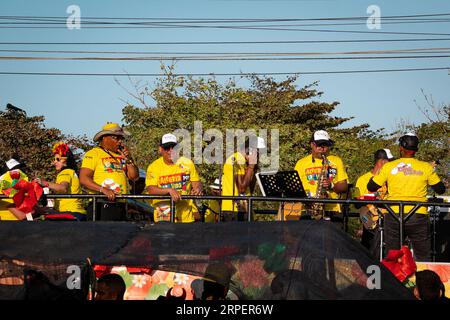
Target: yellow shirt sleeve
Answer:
[[381, 178], [89, 160], [433, 178], [341, 173], [359, 187], [194, 173], [64, 176], [150, 179]]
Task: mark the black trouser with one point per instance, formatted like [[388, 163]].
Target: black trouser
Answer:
[[417, 229], [107, 211]]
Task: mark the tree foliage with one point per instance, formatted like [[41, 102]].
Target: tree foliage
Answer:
[[27, 139], [178, 101]]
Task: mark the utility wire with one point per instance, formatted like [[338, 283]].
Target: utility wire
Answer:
[[228, 42], [221, 74]]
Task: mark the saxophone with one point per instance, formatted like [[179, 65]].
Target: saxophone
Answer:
[[317, 210]]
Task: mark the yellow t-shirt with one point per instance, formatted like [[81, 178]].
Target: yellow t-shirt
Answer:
[[234, 164], [212, 211], [309, 172], [179, 177], [72, 205], [5, 214], [109, 169], [407, 179], [361, 189], [361, 185]]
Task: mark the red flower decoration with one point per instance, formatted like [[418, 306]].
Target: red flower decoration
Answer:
[[27, 196], [60, 148], [401, 263]]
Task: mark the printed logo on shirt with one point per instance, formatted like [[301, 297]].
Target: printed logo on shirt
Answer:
[[312, 174], [407, 170], [110, 164], [176, 181]]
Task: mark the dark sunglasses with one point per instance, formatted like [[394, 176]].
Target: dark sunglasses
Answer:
[[117, 138], [168, 148], [58, 158], [322, 144]]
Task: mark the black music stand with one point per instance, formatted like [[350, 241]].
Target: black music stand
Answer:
[[284, 184]]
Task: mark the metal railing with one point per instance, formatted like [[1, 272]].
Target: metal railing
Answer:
[[402, 217]]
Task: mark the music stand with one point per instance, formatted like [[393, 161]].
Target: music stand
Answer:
[[284, 184]]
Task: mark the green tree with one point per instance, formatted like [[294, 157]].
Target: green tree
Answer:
[[28, 139], [177, 101]]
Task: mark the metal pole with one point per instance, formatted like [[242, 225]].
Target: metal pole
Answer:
[[172, 211], [94, 208], [401, 224], [250, 208]]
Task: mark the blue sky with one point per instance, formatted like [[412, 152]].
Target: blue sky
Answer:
[[81, 105]]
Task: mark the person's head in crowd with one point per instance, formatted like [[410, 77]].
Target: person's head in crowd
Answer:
[[216, 282], [111, 137], [63, 157], [216, 188], [429, 286], [14, 163], [380, 158], [382, 155], [166, 148], [321, 143], [110, 287], [409, 145], [252, 145]]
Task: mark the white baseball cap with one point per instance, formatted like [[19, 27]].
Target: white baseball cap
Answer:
[[12, 163], [321, 136], [168, 140], [389, 154], [216, 184]]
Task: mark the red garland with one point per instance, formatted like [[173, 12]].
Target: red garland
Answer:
[[401, 263], [27, 196]]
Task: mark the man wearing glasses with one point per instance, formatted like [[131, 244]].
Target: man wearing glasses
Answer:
[[106, 169], [319, 165], [174, 176]]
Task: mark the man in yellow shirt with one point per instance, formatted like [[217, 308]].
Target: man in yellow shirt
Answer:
[[408, 179], [106, 169], [334, 181], [169, 175], [370, 237], [239, 177]]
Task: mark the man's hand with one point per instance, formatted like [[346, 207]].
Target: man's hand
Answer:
[[125, 153], [109, 193], [174, 194], [253, 158]]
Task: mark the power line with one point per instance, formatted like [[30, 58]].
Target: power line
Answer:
[[172, 19], [221, 74], [215, 58], [228, 42], [386, 51], [241, 28]]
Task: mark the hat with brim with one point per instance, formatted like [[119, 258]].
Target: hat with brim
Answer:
[[321, 136], [168, 140], [111, 129]]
